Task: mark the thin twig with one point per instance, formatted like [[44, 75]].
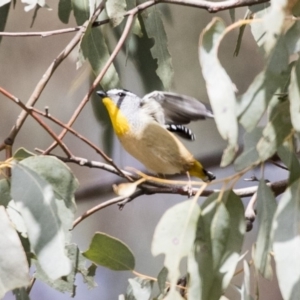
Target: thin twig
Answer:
[[97, 80], [46, 77], [81, 137], [48, 33], [44, 125], [101, 206]]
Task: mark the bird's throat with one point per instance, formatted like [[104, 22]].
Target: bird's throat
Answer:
[[118, 119]]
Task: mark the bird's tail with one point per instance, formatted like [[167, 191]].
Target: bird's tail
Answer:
[[197, 170]]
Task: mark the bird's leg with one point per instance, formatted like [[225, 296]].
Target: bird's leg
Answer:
[[189, 187]]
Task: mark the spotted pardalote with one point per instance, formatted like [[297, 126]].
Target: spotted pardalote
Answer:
[[145, 128]]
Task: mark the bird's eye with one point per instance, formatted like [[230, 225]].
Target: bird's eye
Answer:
[[121, 94]]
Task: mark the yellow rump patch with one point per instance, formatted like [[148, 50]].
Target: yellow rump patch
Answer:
[[119, 121]]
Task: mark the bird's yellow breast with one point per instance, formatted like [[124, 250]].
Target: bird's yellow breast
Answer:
[[119, 121]]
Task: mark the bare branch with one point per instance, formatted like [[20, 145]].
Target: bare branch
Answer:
[[45, 126], [46, 77]]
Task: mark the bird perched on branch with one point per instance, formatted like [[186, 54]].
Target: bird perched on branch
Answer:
[[144, 127]]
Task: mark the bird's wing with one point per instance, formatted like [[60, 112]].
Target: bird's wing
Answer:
[[179, 109]]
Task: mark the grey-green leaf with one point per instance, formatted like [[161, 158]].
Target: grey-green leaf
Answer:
[[4, 10], [94, 48], [286, 243], [155, 29], [220, 89], [66, 284], [64, 10], [254, 102], [174, 236], [250, 155], [218, 243], [115, 10], [110, 252], [35, 200], [14, 270], [276, 131], [4, 192], [294, 96], [139, 289], [266, 207], [22, 153], [57, 174]]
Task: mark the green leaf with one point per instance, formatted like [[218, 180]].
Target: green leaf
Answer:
[[292, 38], [232, 14], [81, 11], [67, 283], [155, 29], [35, 200], [254, 102], [4, 192], [286, 242], [139, 289], [115, 10], [21, 294], [250, 155], [294, 96], [276, 131], [22, 153], [14, 271], [258, 31], [58, 175], [94, 48], [110, 252], [266, 207], [246, 287], [274, 22], [4, 10], [219, 238], [289, 158], [174, 236], [64, 10], [219, 86], [161, 279]]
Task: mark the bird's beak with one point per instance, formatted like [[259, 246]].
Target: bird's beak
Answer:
[[101, 94]]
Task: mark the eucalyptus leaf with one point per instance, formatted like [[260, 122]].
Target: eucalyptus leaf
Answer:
[[220, 89], [21, 294], [276, 131], [289, 158], [266, 207], [245, 289], [67, 283], [294, 96], [22, 153], [57, 174], [64, 10], [14, 270], [219, 238], [94, 48], [139, 289], [110, 252], [174, 236], [155, 29], [287, 242], [35, 200], [161, 279], [4, 192], [4, 10], [250, 155], [115, 10], [254, 102]]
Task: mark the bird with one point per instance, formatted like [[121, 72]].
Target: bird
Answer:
[[145, 129]]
